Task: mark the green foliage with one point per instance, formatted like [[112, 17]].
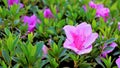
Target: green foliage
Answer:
[[22, 49]]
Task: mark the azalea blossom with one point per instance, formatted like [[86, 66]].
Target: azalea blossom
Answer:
[[92, 4], [48, 13], [101, 11], [105, 52], [79, 38], [31, 21], [12, 2], [118, 62]]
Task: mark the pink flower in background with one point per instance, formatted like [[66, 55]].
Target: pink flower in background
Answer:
[[79, 38], [118, 62], [48, 13], [104, 53], [101, 11], [84, 7], [45, 50], [119, 26], [31, 21], [12, 2], [92, 4]]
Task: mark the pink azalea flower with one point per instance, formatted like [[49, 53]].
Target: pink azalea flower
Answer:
[[101, 11], [31, 21], [104, 53], [45, 50], [48, 13], [79, 38], [92, 4], [118, 62], [12, 2]]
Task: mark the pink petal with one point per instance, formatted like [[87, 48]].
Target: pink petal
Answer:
[[26, 19], [45, 50], [68, 31], [31, 21], [100, 6], [113, 45], [119, 26], [84, 51], [90, 39], [48, 13], [84, 29], [12, 2], [21, 5], [118, 62], [92, 4], [84, 7], [67, 44]]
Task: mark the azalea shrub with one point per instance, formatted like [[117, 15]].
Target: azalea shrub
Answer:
[[59, 34]]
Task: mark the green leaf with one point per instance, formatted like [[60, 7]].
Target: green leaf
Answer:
[[108, 48], [4, 65], [30, 37], [107, 62], [7, 31], [15, 42], [6, 56], [85, 65], [5, 2], [94, 24], [53, 62], [110, 41], [39, 46], [98, 60], [51, 30], [16, 66], [61, 23]]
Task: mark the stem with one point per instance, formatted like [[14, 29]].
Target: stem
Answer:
[[30, 66], [75, 64]]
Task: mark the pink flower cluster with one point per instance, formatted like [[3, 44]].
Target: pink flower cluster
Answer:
[[101, 11], [79, 38], [12, 2], [31, 21]]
